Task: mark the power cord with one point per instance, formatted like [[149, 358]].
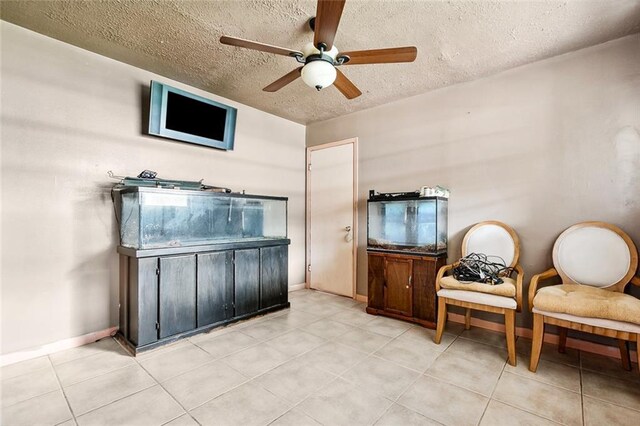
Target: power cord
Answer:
[[476, 267]]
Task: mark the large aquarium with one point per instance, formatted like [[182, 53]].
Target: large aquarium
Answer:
[[417, 225], [157, 217]]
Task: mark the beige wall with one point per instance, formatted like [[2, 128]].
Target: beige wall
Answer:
[[540, 147], [69, 116]]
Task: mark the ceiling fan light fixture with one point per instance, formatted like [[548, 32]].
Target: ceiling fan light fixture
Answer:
[[319, 74]]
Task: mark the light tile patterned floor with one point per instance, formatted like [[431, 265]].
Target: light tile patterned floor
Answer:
[[322, 362]]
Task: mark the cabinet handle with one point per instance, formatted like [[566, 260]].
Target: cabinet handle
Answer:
[[410, 280]]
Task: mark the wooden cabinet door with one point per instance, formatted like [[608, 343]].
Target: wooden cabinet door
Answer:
[[215, 287], [143, 301], [273, 276], [424, 288], [376, 280], [177, 294], [398, 294], [246, 275]]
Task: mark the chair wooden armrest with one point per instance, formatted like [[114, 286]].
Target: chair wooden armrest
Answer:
[[533, 286], [519, 279], [635, 280], [441, 273]]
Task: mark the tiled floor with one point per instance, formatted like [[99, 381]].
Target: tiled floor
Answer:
[[324, 361]]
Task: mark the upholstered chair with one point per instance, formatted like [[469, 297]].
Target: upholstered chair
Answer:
[[491, 238], [595, 261]]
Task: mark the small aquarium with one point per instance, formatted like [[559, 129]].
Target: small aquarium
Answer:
[[407, 224], [158, 217]]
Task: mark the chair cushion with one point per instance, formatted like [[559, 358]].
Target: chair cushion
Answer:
[[585, 301], [506, 289], [481, 298], [594, 322]]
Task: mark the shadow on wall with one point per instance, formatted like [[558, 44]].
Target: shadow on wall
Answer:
[[99, 261], [144, 108]]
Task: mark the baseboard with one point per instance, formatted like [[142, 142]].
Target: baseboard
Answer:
[[596, 348], [297, 287], [362, 298], [58, 346]]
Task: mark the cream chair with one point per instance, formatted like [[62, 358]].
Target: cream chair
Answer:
[[595, 261], [489, 238]]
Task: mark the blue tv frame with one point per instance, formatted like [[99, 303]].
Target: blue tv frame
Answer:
[[158, 118]]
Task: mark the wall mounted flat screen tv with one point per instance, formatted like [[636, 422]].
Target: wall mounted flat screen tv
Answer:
[[183, 116]]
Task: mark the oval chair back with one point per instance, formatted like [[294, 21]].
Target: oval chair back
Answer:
[[493, 238], [596, 254]]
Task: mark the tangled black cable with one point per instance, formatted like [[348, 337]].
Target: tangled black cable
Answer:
[[476, 267]]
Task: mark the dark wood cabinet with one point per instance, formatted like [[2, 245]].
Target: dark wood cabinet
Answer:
[[166, 294], [403, 286], [139, 300], [397, 288], [177, 295], [274, 275], [247, 281], [215, 287]]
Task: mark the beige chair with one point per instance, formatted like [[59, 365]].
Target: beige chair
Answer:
[[595, 261], [495, 239]]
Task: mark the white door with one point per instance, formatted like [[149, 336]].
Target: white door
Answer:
[[331, 217]]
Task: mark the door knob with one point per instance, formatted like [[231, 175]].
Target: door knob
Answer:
[[348, 238]]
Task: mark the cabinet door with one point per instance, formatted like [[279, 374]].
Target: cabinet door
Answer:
[[273, 276], [177, 294], [215, 287], [424, 288], [398, 291], [143, 300], [247, 281], [376, 281]]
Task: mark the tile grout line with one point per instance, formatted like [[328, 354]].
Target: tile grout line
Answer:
[[103, 350], [249, 379], [493, 391], [168, 393], [372, 354], [64, 394], [527, 410], [288, 360]]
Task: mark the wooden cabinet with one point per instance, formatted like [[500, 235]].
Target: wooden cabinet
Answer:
[[215, 287], [139, 299], [274, 275], [247, 281], [403, 286], [166, 294], [177, 295], [397, 286]]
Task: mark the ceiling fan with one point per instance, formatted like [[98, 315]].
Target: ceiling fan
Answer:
[[321, 58]]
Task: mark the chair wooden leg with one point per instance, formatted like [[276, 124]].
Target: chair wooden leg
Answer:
[[536, 345], [562, 340], [510, 331], [467, 319], [624, 354], [442, 319]]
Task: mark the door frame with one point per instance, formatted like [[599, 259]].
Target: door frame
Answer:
[[354, 142]]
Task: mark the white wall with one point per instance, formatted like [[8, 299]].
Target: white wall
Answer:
[[69, 116], [539, 147]]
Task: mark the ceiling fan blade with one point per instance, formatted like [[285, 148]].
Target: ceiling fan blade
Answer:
[[345, 86], [283, 81], [381, 56], [254, 45], [328, 13]]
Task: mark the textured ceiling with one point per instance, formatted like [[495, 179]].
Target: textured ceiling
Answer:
[[457, 41]]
